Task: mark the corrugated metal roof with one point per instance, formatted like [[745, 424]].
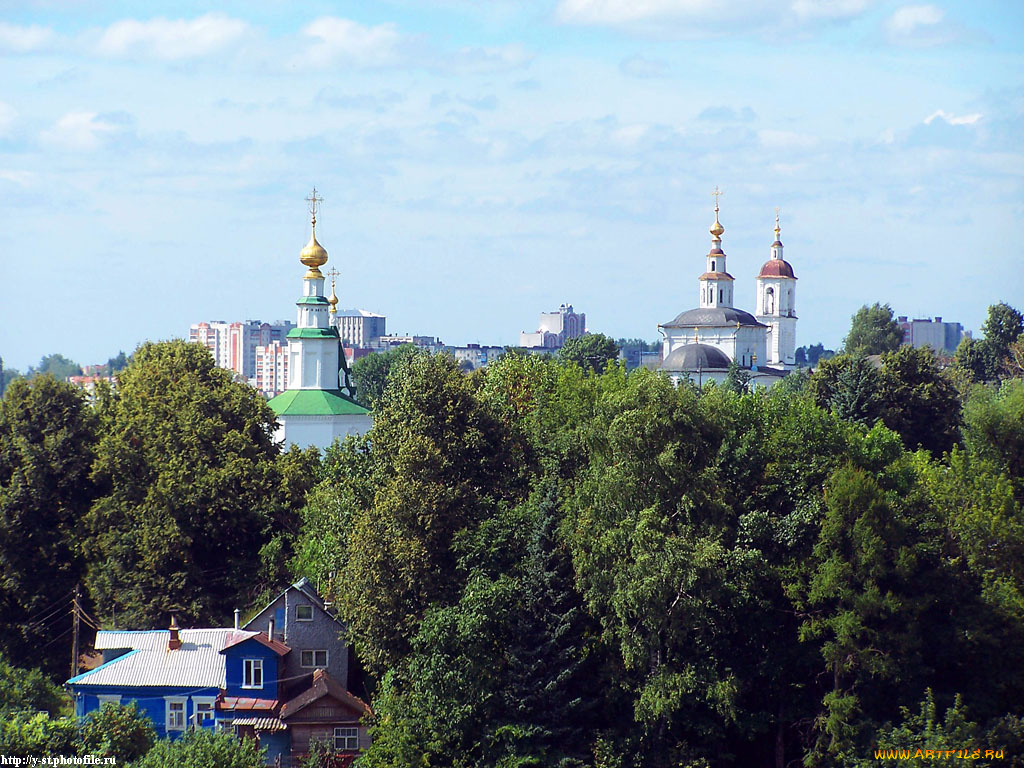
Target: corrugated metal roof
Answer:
[[197, 663], [261, 723]]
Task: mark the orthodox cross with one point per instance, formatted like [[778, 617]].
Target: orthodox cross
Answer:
[[314, 202], [333, 273], [715, 195]]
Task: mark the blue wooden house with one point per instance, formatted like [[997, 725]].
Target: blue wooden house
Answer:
[[280, 680]]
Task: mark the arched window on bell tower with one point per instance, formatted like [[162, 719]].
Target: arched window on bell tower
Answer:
[[769, 301]]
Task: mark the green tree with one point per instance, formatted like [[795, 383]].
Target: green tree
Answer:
[[873, 331], [849, 387], [27, 689], [591, 352], [117, 363], [1002, 327], [440, 464], [191, 490], [371, 372], [57, 366], [918, 400], [118, 731], [994, 427], [202, 748], [854, 596], [35, 734], [47, 442], [737, 379]]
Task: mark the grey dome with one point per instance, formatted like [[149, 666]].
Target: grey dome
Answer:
[[693, 357], [711, 316]]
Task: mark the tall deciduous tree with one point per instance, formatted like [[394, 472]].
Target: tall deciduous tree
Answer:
[[190, 490], [371, 372], [47, 441], [873, 331], [591, 352], [57, 366], [442, 466]]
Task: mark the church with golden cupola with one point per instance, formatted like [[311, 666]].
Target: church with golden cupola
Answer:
[[319, 404], [702, 343]]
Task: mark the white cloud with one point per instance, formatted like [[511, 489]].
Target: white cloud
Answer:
[[786, 140], [745, 13], [80, 131], [626, 11], [922, 25], [172, 38], [952, 119], [349, 41], [24, 39], [909, 18]]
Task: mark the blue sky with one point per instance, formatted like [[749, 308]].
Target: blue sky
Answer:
[[482, 162]]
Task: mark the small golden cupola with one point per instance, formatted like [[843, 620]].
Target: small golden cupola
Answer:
[[313, 255], [333, 300]]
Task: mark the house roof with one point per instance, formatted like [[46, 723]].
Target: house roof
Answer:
[[315, 402], [244, 635], [197, 663], [261, 723], [324, 685], [693, 357], [711, 316], [246, 704], [306, 588]]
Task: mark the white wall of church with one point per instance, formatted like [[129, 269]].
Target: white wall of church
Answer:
[[320, 431]]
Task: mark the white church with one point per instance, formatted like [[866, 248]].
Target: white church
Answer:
[[319, 404], [700, 344]]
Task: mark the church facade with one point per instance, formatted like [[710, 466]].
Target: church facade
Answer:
[[700, 344], [319, 405]]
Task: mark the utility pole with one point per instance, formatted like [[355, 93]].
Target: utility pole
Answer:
[[74, 642]]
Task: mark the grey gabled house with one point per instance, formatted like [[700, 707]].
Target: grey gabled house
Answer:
[[299, 618]]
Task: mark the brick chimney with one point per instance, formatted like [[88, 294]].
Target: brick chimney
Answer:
[[174, 643]]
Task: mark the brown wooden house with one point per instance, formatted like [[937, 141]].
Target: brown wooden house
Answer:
[[326, 712]]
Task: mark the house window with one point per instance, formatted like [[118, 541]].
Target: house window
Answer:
[[252, 673], [346, 739], [304, 612], [313, 659], [175, 714], [109, 698], [203, 709]]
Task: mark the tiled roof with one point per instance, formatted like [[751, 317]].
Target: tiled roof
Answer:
[[197, 663]]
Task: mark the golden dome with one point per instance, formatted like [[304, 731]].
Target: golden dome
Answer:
[[333, 301], [313, 256], [717, 229]]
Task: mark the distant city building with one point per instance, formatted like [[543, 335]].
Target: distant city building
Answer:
[[473, 356], [430, 343], [556, 328], [233, 345], [88, 383], [942, 337], [359, 328], [271, 374]]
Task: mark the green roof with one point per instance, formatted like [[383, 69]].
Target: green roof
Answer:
[[311, 300], [313, 333], [315, 402]]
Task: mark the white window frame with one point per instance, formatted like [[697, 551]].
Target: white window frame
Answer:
[[198, 701], [300, 607], [107, 698], [249, 668], [349, 738], [170, 723], [313, 664]]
